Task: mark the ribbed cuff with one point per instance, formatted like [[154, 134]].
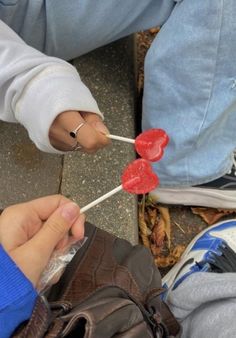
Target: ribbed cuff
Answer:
[[13, 283], [56, 89]]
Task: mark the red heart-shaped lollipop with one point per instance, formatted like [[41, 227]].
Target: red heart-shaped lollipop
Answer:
[[150, 144], [138, 177]]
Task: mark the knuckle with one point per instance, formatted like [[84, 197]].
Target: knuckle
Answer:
[[10, 210], [91, 145], [6, 211], [91, 151], [58, 226]]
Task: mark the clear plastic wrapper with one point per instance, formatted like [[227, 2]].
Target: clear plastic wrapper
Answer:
[[57, 264]]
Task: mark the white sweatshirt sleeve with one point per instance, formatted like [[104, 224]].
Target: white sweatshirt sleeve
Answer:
[[35, 88]]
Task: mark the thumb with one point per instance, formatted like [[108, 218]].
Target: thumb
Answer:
[[33, 256], [56, 227]]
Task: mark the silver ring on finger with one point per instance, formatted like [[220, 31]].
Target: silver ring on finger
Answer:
[[74, 132]]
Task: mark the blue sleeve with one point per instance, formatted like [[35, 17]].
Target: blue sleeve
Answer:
[[17, 296]]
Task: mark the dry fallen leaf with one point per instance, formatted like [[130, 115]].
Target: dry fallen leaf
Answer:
[[144, 231], [158, 233], [154, 30], [164, 262], [156, 250], [177, 251], [171, 259], [166, 219], [211, 215], [152, 214], [155, 233]]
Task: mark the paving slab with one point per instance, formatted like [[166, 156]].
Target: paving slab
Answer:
[[109, 74], [25, 172]]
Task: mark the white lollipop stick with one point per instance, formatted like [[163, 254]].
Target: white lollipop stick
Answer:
[[100, 199], [121, 138]]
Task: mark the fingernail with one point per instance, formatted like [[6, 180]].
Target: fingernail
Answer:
[[70, 211], [100, 127]]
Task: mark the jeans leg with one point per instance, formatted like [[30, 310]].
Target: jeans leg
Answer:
[[190, 91]]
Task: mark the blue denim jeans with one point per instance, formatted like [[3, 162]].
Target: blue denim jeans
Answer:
[[190, 69]]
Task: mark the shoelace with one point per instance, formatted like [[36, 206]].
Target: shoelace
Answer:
[[225, 261]]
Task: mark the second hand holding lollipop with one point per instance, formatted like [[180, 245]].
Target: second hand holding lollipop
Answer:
[[137, 178]]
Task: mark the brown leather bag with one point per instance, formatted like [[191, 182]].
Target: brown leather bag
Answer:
[[110, 289]]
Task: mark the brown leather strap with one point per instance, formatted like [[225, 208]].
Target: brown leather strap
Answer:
[[39, 321], [169, 320], [166, 316]]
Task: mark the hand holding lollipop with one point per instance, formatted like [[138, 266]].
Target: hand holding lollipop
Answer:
[[138, 177]]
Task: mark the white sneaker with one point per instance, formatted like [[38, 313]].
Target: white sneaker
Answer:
[[214, 249], [220, 193]]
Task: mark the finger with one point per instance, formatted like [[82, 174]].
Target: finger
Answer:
[[76, 233], [91, 136], [33, 256], [56, 227], [100, 127], [62, 243], [59, 132], [95, 121], [77, 229], [63, 141], [60, 137], [21, 222], [45, 206], [89, 117], [68, 120], [90, 139]]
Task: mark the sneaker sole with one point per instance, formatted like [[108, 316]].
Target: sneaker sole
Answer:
[[229, 237], [204, 197]]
